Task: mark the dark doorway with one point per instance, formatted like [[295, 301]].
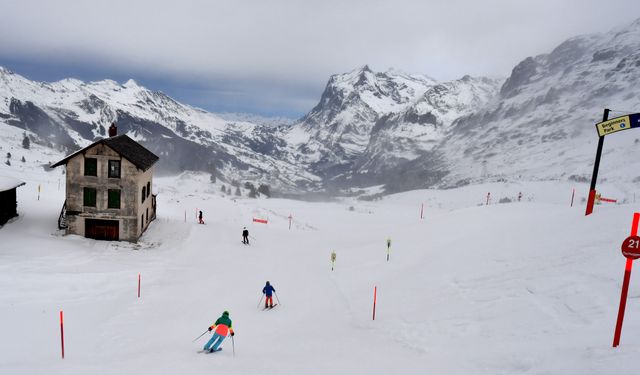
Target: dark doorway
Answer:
[[102, 229], [7, 205]]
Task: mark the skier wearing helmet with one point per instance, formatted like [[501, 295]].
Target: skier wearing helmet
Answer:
[[268, 291], [222, 328]]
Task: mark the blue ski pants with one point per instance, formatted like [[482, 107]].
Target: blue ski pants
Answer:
[[216, 340]]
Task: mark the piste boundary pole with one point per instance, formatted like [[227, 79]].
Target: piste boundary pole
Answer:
[[625, 285], [62, 332]]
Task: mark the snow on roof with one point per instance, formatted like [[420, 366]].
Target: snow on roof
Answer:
[[8, 183]]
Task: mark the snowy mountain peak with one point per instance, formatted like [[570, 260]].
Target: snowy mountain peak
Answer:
[[131, 84], [367, 121], [4, 70]]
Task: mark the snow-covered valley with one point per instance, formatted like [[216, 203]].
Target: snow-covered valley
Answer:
[[529, 287]]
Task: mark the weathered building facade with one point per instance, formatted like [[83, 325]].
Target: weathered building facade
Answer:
[[108, 190]]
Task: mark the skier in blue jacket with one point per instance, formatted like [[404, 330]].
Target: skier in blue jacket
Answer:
[[268, 291]]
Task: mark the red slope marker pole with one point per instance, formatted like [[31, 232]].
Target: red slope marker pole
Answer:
[[488, 195], [573, 193], [421, 211], [590, 201], [625, 285], [62, 333], [623, 301], [375, 292], [138, 285]]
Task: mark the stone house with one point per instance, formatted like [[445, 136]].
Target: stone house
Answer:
[[108, 190], [8, 198]]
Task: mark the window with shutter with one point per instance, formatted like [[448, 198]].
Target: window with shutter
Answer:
[[90, 166], [114, 198], [89, 197], [114, 168]]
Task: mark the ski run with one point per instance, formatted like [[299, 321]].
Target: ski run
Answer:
[[529, 287]]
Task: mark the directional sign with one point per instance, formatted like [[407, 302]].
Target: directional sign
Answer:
[[631, 247], [617, 124]]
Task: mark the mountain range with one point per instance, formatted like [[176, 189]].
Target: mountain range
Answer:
[[369, 128]]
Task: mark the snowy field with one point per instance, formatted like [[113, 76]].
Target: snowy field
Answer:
[[528, 287]]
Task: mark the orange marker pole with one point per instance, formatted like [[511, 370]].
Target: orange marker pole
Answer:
[[375, 292], [138, 285], [62, 333]]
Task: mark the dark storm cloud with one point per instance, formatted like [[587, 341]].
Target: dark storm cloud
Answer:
[[261, 55]]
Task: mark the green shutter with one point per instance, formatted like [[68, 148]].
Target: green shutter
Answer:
[[114, 198], [89, 197], [90, 167]]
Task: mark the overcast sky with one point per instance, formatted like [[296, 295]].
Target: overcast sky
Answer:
[[274, 57]]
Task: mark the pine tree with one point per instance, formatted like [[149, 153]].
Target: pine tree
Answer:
[[26, 143], [264, 189], [238, 193], [252, 189], [223, 189], [23, 159], [214, 172]]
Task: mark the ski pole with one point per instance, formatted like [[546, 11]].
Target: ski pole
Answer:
[[259, 303], [233, 345], [277, 297], [200, 335]]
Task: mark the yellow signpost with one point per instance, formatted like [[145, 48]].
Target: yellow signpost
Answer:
[[614, 125]]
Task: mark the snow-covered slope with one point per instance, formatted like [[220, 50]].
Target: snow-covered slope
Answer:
[[367, 122], [528, 287], [72, 113], [405, 136], [542, 124]]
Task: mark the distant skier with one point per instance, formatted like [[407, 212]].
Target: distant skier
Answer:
[[245, 236], [200, 218], [268, 291], [333, 259], [222, 328]]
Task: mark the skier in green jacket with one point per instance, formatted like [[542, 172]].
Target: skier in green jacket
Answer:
[[222, 328]]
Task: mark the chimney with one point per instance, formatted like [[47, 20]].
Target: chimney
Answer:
[[113, 130]]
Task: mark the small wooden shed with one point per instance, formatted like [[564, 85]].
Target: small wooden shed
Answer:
[[8, 198]]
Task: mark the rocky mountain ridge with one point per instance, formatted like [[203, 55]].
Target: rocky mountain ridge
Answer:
[[374, 128]]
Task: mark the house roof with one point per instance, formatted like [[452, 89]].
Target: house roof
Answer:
[[125, 146], [8, 183]]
